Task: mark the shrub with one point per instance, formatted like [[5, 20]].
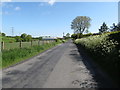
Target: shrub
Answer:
[[105, 50]]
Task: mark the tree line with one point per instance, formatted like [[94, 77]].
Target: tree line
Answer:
[[23, 37], [81, 24]]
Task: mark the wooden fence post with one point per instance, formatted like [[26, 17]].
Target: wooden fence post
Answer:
[[3, 45], [43, 42], [31, 42], [38, 42], [20, 44]]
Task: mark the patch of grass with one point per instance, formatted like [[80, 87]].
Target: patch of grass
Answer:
[[14, 45], [8, 39], [13, 56]]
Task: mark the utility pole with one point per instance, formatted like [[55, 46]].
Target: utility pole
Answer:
[[63, 34], [12, 31]]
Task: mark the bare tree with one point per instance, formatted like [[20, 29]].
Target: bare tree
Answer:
[[80, 24]]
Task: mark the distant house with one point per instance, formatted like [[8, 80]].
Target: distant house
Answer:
[[48, 38]]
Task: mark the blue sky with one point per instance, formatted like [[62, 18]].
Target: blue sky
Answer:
[[45, 19]]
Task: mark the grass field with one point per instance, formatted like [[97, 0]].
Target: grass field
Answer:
[[13, 56], [14, 45], [8, 39]]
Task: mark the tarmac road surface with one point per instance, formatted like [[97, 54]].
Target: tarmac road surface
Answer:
[[60, 67]]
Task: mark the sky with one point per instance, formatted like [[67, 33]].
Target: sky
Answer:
[[54, 18]]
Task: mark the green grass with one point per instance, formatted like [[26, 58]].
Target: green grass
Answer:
[[105, 51], [8, 39], [13, 56], [14, 45]]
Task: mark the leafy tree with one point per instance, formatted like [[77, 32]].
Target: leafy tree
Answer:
[[3, 34], [103, 28], [23, 36], [18, 38], [114, 27], [40, 38], [68, 35], [80, 24], [28, 38]]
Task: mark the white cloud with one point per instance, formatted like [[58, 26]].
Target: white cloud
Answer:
[[17, 8], [51, 2]]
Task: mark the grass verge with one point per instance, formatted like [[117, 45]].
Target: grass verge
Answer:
[[13, 56]]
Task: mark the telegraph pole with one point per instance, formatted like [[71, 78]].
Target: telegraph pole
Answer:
[[63, 34]]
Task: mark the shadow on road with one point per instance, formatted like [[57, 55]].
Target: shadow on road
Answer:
[[103, 81]]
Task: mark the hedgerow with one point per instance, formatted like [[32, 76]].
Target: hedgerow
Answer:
[[105, 50]]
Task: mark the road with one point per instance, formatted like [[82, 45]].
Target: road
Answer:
[[60, 67]]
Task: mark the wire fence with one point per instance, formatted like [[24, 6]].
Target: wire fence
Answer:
[[7, 46]]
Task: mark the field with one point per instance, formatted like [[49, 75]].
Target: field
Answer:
[[8, 39], [14, 52], [105, 51], [14, 45], [13, 56]]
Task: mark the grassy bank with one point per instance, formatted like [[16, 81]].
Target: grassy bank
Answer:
[[13, 56], [105, 51]]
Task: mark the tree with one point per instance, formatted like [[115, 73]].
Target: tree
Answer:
[[40, 38], [28, 38], [18, 38], [114, 27], [3, 34], [68, 35], [23, 36], [80, 24], [103, 28]]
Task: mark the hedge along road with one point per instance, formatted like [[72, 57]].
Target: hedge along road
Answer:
[[60, 67]]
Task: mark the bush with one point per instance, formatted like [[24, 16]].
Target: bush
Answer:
[[105, 50], [63, 41], [75, 36], [86, 35]]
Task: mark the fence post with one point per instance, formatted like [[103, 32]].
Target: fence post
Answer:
[[43, 42], [3, 45], [20, 44], [31, 42], [38, 42]]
